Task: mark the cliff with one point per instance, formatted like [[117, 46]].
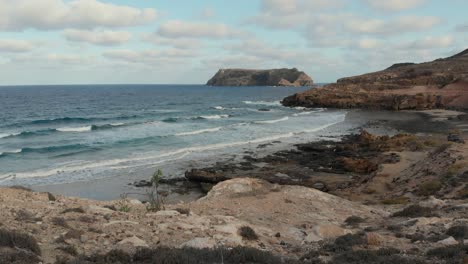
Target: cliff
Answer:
[[442, 83], [275, 77]]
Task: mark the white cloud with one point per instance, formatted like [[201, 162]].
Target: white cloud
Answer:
[[15, 46], [397, 26], [179, 43], [462, 27], [368, 43], [149, 56], [298, 6], [19, 15], [184, 29], [394, 5], [102, 37], [429, 43]]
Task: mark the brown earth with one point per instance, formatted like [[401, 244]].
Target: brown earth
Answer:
[[442, 83]]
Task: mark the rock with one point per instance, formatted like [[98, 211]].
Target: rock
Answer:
[[326, 231], [130, 245], [320, 186], [200, 243], [455, 138], [205, 175], [437, 84], [135, 202], [99, 210], [448, 241], [374, 239], [166, 213], [275, 77], [433, 202], [83, 238], [264, 110]]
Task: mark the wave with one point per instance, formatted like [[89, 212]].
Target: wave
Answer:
[[218, 108], [197, 132], [213, 117], [171, 120], [75, 129], [275, 103], [272, 121], [45, 150]]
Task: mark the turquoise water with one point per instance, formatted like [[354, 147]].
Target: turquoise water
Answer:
[[60, 134]]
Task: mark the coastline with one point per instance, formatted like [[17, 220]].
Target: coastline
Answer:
[[376, 122]]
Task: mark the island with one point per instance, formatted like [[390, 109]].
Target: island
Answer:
[[442, 83], [274, 77]]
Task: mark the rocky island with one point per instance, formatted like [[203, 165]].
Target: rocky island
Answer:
[[442, 83], [274, 77]]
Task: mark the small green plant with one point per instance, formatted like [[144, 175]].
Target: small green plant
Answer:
[[429, 188], [123, 204], [155, 200]]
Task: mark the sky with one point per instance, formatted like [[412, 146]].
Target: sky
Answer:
[[187, 41]]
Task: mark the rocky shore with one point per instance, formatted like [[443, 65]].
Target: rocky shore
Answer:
[[363, 198], [440, 84], [274, 77]]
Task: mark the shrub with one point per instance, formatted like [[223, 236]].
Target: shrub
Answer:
[[415, 211], [396, 200], [184, 256], [458, 232], [429, 188], [448, 253], [381, 256], [60, 221], [345, 243], [248, 233], [26, 216], [69, 249], [354, 220], [155, 200], [14, 239], [78, 210]]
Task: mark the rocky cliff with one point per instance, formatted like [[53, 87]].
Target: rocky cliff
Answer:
[[442, 83], [275, 77]]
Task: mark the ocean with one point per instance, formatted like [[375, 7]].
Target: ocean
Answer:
[[64, 134]]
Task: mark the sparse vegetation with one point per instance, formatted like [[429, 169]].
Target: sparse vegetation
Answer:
[[429, 188], [26, 216], [381, 256], [396, 200], [60, 221], [345, 243], [78, 210], [459, 232], [246, 232], [155, 200], [123, 204], [69, 249], [415, 211], [184, 256], [354, 220], [448, 253], [15, 239]]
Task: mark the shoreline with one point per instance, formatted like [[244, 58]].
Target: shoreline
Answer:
[[376, 122]]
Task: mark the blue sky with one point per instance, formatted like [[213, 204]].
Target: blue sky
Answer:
[[150, 41]]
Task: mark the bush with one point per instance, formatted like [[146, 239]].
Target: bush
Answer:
[[78, 210], [345, 243], [415, 211], [354, 220], [26, 216], [458, 232], [448, 253], [14, 239], [429, 188], [396, 200], [247, 233], [381, 256], [69, 249], [60, 221], [184, 256]]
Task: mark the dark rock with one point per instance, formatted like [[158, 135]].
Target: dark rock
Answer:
[[264, 110], [275, 77], [455, 138]]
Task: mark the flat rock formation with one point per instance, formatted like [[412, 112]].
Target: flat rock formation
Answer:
[[442, 83], [275, 77]]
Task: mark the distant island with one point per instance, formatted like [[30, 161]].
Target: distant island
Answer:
[[273, 77], [442, 83]]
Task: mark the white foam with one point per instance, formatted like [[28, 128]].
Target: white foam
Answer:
[[272, 121], [117, 124], [275, 103], [5, 135], [303, 113], [196, 132], [75, 129], [219, 108], [214, 116]]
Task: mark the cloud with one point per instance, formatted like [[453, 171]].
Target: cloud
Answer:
[[102, 37], [297, 6], [396, 26], [15, 46], [462, 28], [184, 29], [149, 56], [179, 43], [19, 15], [394, 5]]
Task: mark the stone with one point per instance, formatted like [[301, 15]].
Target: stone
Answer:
[[326, 231], [273, 77], [135, 202], [200, 243], [448, 241], [433, 202], [131, 244]]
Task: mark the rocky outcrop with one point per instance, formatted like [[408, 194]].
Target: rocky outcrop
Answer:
[[442, 83], [275, 77]]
